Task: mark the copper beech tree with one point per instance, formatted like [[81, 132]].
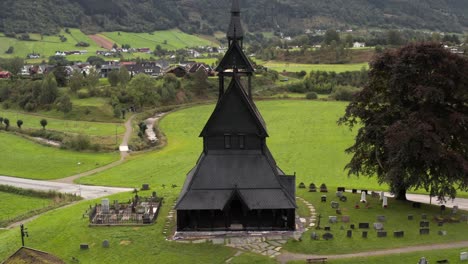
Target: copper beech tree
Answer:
[[412, 120]]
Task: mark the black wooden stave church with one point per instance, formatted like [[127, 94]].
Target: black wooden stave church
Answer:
[[236, 184]]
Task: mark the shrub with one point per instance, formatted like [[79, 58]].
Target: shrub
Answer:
[[311, 96], [297, 87], [79, 143], [82, 94], [344, 93]]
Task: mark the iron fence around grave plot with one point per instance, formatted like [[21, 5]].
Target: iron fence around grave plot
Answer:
[[145, 213]]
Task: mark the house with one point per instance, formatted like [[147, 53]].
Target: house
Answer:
[[195, 67], [236, 184], [359, 45], [33, 56], [5, 75], [106, 68], [149, 68], [193, 53], [178, 71], [60, 53], [144, 50]]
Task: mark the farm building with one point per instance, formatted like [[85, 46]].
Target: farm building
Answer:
[[236, 184]]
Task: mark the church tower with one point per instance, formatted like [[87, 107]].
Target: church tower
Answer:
[[236, 184]]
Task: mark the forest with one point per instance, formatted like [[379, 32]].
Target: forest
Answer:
[[290, 17]]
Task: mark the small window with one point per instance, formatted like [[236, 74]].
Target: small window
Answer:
[[227, 141], [241, 141]]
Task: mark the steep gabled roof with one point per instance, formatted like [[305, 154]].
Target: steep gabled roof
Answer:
[[235, 103], [235, 31], [235, 59]]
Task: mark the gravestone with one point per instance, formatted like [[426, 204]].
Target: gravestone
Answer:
[[363, 225], [105, 206], [352, 226], [314, 236], [442, 261], [424, 216], [364, 191], [327, 228], [424, 231], [399, 234], [339, 194], [442, 208], [442, 233], [312, 188], [345, 219], [382, 234], [145, 187], [338, 211], [416, 205], [105, 244], [455, 209], [302, 185], [385, 202], [363, 197], [323, 188], [424, 224], [410, 217], [464, 256], [378, 226], [328, 236], [381, 218], [84, 246], [343, 198], [364, 234], [349, 233], [354, 190], [335, 205], [332, 219], [323, 198], [440, 224], [423, 260], [341, 189]]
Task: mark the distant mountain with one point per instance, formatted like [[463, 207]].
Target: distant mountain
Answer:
[[208, 16]]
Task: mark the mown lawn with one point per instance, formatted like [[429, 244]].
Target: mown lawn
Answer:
[[14, 205], [167, 39], [68, 126], [26, 159], [297, 67], [396, 220]]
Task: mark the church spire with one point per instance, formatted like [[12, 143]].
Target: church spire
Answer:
[[235, 31]]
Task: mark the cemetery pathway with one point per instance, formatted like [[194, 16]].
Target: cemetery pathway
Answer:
[[123, 156], [85, 191], [287, 256]]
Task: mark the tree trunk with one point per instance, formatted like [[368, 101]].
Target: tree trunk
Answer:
[[400, 194]]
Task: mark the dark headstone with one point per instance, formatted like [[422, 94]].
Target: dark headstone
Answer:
[[349, 233], [328, 236], [341, 189], [352, 226], [145, 187], [354, 190], [105, 244], [399, 234], [338, 211], [363, 225], [312, 188], [424, 216], [416, 205], [382, 234], [84, 246], [302, 185], [440, 224], [381, 218], [327, 228], [343, 198], [335, 205], [424, 231], [442, 208], [443, 261], [324, 198], [364, 234], [410, 217], [323, 188], [424, 224]]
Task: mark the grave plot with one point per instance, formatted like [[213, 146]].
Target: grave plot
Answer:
[[137, 211]]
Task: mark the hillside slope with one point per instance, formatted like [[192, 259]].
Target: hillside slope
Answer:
[[207, 16]]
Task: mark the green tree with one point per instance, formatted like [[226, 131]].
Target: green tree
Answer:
[[330, 36], [1, 120], [76, 81], [43, 123], [200, 83], [124, 76], [142, 88], [64, 104], [19, 123], [96, 61], [6, 121], [49, 90], [93, 78], [394, 38], [113, 78], [13, 65], [412, 118]]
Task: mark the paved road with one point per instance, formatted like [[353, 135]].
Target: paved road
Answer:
[[85, 191]]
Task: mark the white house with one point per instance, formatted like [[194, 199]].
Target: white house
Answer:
[[359, 45]]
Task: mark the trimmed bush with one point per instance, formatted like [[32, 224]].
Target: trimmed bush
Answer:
[[311, 96]]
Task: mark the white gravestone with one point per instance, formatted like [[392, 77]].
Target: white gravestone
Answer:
[[385, 202], [363, 197]]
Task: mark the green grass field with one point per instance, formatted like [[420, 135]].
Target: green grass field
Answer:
[[47, 45], [167, 39], [296, 67], [27, 159], [14, 205], [67, 126]]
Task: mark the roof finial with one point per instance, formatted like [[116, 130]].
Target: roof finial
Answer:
[[235, 31]]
